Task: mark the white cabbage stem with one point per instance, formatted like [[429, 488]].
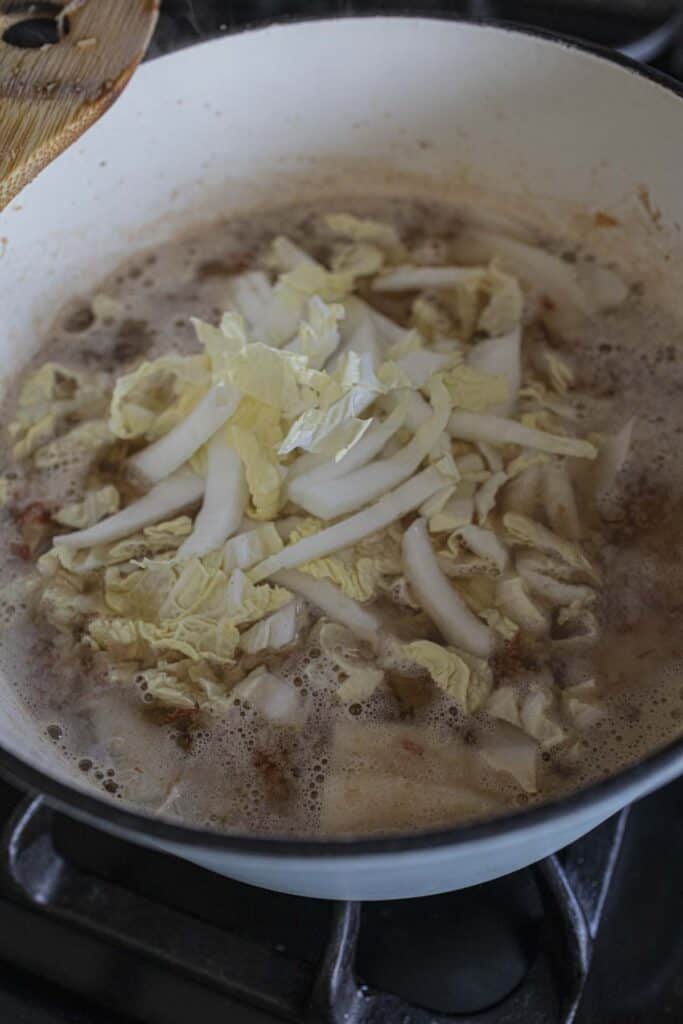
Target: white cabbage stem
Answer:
[[410, 278], [501, 357], [614, 452], [544, 272], [474, 426], [387, 510], [485, 544], [323, 594], [370, 445], [441, 602], [353, 490], [270, 321], [555, 591], [225, 499], [559, 501], [164, 500], [182, 441]]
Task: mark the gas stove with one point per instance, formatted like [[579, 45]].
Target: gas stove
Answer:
[[95, 930]]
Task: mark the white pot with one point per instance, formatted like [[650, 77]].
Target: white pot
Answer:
[[356, 105]]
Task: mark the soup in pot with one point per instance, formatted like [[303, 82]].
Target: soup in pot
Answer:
[[326, 522]]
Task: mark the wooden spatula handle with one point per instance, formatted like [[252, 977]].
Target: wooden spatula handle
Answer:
[[50, 93]]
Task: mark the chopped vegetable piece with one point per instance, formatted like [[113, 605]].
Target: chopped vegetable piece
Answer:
[[391, 507], [436, 595], [330, 600], [225, 499], [165, 499], [173, 449], [472, 426]]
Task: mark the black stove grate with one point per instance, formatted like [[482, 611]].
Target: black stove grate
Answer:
[[148, 932]]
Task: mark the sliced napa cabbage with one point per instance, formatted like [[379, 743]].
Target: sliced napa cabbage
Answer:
[[67, 601], [370, 445], [474, 390], [169, 453], [471, 466], [94, 506], [275, 631], [538, 395], [164, 499], [270, 320], [363, 229], [432, 319], [318, 336], [332, 425], [49, 399], [523, 492], [472, 426], [486, 545], [409, 278], [582, 703], [533, 709], [463, 677], [225, 500], [510, 751], [551, 589], [514, 602], [559, 500], [494, 618], [505, 307], [486, 495], [458, 510], [342, 647], [560, 374], [323, 594], [364, 485], [613, 454], [578, 627], [81, 442], [152, 540], [528, 533], [544, 273], [357, 577], [285, 255], [245, 601], [274, 698], [603, 287], [264, 474], [420, 365], [157, 395], [250, 547], [438, 598], [296, 287], [360, 337], [387, 510], [362, 259], [138, 593], [501, 357], [193, 637], [333, 430]]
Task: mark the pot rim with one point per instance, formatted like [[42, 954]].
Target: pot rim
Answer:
[[72, 799]]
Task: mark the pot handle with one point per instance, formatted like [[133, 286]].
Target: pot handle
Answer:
[[62, 64]]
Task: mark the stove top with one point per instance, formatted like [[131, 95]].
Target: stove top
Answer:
[[94, 930]]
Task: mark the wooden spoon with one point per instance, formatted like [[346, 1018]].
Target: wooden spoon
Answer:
[[50, 93]]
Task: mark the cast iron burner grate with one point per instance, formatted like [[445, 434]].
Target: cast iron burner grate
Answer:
[[156, 938]]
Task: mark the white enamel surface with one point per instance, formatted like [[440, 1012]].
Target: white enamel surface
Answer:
[[354, 105], [413, 873]]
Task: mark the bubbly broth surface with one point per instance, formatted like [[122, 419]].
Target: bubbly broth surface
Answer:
[[408, 756]]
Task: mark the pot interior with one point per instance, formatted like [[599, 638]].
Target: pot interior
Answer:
[[356, 106]]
